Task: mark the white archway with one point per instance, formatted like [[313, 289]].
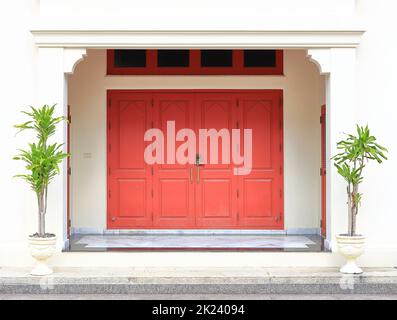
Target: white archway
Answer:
[[334, 52]]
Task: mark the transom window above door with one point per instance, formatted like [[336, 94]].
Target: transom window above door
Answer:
[[194, 62]]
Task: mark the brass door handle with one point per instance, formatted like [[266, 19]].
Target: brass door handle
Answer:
[[198, 174]]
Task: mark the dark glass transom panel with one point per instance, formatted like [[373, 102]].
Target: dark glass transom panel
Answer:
[[216, 58], [173, 58], [259, 58], [130, 58]]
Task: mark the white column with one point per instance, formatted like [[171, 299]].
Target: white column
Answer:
[[339, 67], [341, 115], [53, 90]]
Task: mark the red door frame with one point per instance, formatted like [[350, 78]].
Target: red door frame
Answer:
[[323, 171], [278, 92], [194, 67], [69, 172]]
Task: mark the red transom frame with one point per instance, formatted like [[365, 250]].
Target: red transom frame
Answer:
[[194, 67]]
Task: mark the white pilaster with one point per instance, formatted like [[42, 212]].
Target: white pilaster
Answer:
[[53, 90], [341, 115], [54, 65], [339, 67]]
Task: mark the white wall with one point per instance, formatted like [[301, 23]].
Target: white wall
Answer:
[[377, 106], [376, 83], [18, 91], [304, 95], [198, 15]]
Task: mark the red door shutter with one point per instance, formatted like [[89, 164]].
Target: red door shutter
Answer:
[[173, 188], [261, 203], [177, 196], [323, 172], [216, 186], [129, 177], [69, 173]]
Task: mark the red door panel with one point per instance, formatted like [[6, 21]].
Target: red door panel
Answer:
[[129, 179], [173, 188], [261, 204], [216, 186], [257, 198]]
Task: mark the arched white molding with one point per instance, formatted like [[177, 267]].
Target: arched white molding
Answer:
[[332, 51], [321, 58], [71, 58]]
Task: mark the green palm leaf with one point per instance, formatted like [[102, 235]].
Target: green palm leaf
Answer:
[[41, 159]]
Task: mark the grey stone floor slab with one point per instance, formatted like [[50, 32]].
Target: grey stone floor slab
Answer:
[[310, 243], [197, 241]]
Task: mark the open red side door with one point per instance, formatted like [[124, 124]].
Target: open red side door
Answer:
[[68, 222], [323, 172]]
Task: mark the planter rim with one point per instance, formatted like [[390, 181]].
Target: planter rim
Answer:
[[343, 236], [34, 237], [38, 239]]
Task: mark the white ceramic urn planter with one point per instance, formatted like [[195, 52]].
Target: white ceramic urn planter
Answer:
[[41, 250], [351, 247]]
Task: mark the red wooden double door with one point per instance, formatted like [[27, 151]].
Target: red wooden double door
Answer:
[[189, 196]]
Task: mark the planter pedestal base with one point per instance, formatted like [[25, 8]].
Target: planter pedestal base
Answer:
[[42, 249], [41, 269], [351, 267], [351, 248]]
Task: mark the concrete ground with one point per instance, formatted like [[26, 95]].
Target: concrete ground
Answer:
[[196, 297], [199, 283]]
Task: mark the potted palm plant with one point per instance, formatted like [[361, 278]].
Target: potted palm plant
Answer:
[[42, 161], [355, 152]]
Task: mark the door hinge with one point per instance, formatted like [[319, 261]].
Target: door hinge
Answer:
[[69, 171], [69, 119], [323, 172]]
